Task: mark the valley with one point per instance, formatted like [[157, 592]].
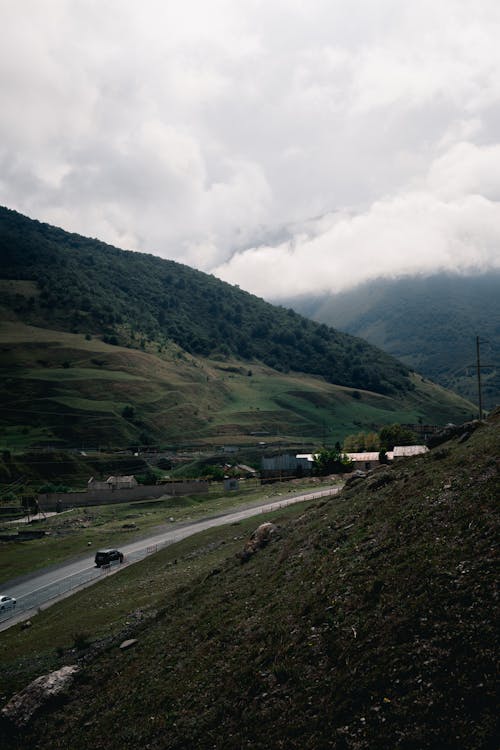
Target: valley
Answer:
[[104, 347], [429, 322]]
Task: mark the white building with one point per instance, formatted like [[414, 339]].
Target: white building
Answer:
[[365, 461], [112, 483], [406, 451]]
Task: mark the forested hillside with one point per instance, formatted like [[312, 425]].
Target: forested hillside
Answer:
[[71, 283], [104, 347], [429, 323]]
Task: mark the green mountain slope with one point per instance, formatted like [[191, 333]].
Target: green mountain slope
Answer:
[[63, 389], [367, 622], [71, 283], [428, 323], [100, 346]]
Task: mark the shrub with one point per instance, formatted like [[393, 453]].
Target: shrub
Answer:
[[81, 640], [128, 412]]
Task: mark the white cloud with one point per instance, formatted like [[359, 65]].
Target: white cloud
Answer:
[[466, 169], [446, 224], [211, 132]]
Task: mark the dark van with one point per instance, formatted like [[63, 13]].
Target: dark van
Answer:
[[107, 557]]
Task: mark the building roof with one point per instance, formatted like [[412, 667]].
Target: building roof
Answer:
[[367, 456], [403, 451], [248, 469]]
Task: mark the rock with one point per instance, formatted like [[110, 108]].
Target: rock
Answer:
[[263, 533], [463, 432], [356, 475], [260, 537], [128, 644], [22, 707], [381, 480]]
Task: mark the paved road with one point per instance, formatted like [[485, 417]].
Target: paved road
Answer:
[[42, 589]]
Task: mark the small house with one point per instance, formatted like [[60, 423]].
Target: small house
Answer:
[[364, 461], [113, 483], [406, 451]]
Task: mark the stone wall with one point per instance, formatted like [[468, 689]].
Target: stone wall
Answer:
[[63, 500]]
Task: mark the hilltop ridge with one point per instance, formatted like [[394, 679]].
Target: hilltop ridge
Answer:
[[428, 322], [82, 285]]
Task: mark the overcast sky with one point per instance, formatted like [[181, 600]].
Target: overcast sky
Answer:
[[288, 146]]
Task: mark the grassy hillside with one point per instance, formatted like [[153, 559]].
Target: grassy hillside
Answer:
[[428, 323], [62, 281], [367, 622], [64, 389], [100, 347]]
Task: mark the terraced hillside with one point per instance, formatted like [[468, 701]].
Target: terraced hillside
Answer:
[[103, 347], [69, 390]]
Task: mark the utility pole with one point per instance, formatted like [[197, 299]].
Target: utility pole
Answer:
[[480, 367]]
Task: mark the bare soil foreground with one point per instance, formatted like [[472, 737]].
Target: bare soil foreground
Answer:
[[366, 622]]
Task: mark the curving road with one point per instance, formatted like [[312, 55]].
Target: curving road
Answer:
[[42, 589]]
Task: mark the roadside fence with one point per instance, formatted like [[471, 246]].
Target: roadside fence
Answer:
[[31, 603]]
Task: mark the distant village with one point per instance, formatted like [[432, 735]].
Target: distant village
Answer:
[[303, 464], [273, 468]]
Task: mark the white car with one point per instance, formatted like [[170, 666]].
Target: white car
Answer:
[[7, 602]]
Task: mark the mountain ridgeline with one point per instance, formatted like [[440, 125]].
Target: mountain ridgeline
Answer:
[[430, 323], [101, 347], [67, 282]]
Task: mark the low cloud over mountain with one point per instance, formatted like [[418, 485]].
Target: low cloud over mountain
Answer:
[[211, 134]]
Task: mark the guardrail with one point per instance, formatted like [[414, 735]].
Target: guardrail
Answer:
[[29, 603]]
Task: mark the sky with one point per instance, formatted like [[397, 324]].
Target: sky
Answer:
[[290, 147]]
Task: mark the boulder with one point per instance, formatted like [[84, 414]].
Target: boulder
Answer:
[[24, 705], [260, 537], [128, 644]]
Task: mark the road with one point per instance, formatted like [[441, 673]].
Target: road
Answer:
[[42, 589]]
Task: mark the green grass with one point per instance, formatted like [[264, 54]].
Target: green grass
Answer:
[[61, 374], [180, 399], [92, 405], [107, 608], [75, 532], [368, 622], [13, 333], [19, 437]]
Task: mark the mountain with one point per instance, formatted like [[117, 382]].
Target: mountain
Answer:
[[429, 323], [367, 621], [105, 346]]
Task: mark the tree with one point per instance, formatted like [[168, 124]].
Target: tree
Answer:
[[330, 461], [128, 413], [355, 443], [372, 441], [395, 434]]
